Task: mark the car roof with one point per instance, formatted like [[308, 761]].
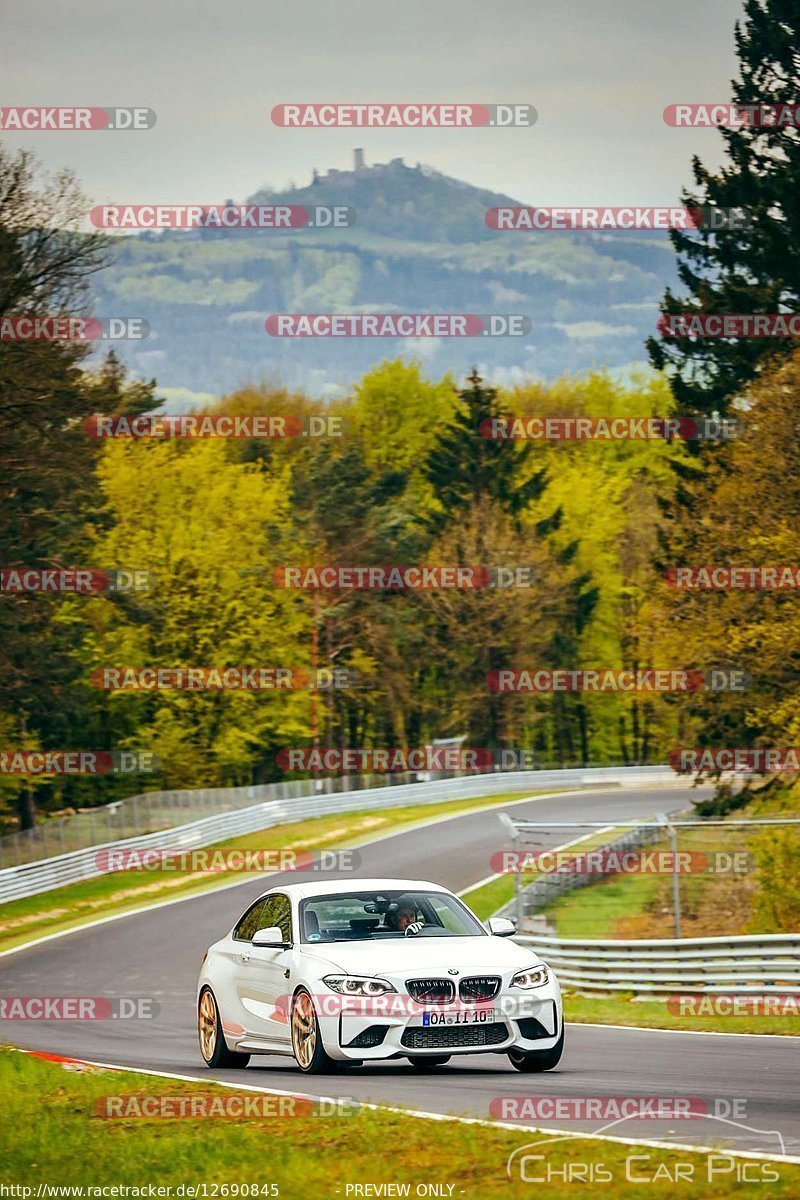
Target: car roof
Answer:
[[333, 887]]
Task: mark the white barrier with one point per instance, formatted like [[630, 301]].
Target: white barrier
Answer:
[[746, 964], [28, 879]]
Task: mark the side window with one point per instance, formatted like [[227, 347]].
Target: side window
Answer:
[[249, 923], [277, 911]]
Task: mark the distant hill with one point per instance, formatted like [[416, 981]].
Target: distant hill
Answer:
[[419, 243]]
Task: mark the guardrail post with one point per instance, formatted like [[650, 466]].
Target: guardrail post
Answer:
[[519, 900], [676, 890]]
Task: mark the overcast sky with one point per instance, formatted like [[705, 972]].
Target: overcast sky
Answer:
[[600, 73]]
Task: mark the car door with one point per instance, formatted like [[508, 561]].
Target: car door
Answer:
[[264, 973]]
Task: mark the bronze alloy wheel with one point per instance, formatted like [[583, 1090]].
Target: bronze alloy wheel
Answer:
[[307, 1044], [304, 1030], [207, 1025], [213, 1047]]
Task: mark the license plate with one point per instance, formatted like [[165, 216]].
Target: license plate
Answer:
[[478, 1016]]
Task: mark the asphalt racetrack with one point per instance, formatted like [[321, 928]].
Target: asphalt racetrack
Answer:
[[158, 953]]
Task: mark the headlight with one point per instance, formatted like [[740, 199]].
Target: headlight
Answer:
[[532, 978], [358, 985]]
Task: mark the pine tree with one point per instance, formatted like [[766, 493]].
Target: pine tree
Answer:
[[751, 269], [466, 469]]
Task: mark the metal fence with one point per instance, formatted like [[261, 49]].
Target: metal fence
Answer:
[[546, 888], [151, 811], [748, 964], [263, 809], [573, 873]]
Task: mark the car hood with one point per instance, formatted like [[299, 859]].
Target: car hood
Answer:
[[421, 955]]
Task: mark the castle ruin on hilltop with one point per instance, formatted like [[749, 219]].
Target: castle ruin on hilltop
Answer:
[[391, 168]]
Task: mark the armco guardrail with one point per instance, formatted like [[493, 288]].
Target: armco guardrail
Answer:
[[28, 879], [747, 964]]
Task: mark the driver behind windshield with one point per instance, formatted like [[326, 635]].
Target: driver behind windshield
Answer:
[[401, 916]]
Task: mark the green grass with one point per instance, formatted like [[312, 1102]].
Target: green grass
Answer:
[[489, 897], [121, 891], [641, 906], [51, 1135], [623, 1009], [594, 911]]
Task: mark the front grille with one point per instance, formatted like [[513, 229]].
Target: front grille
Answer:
[[479, 987], [431, 991], [373, 1036], [440, 1037]]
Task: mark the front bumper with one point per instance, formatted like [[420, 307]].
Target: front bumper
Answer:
[[523, 1020]]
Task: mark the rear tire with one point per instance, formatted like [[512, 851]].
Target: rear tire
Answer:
[[430, 1061], [537, 1060], [309, 1052], [212, 1040]]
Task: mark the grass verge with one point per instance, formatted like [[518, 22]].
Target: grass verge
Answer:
[[53, 1136], [493, 895], [719, 895], [623, 1009]]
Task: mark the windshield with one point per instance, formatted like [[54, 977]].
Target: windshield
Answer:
[[374, 915]]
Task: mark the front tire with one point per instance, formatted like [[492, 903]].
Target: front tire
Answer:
[[537, 1060], [212, 1040], [309, 1052], [428, 1062]]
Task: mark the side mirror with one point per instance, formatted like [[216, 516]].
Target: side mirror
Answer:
[[501, 926], [272, 936]]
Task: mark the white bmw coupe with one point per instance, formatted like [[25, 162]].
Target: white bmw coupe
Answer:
[[370, 969]]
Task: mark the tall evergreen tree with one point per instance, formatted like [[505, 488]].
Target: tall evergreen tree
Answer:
[[754, 268], [467, 469]]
